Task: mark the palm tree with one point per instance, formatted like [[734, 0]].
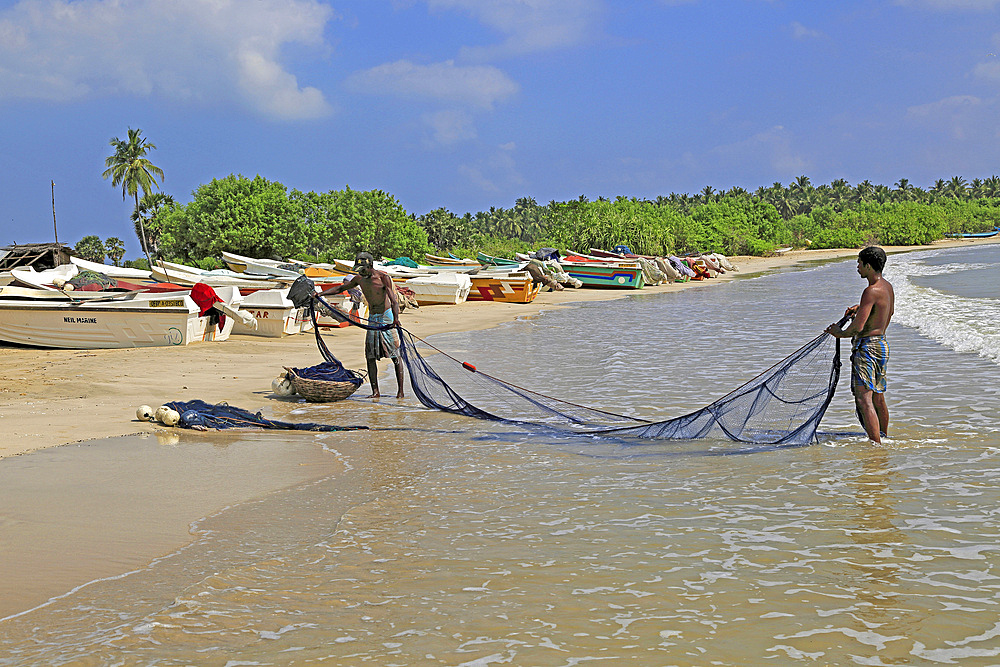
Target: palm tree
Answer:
[[149, 206], [130, 169], [957, 187], [904, 190]]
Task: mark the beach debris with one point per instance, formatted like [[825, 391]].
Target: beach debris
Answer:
[[144, 413], [158, 415], [282, 385]]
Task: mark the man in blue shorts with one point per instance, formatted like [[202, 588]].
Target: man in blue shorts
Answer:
[[870, 349]]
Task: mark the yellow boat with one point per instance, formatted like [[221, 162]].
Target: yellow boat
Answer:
[[514, 287]]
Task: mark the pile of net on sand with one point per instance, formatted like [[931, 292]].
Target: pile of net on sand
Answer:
[[200, 415]]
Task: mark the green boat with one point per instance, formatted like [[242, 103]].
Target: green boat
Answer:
[[489, 260], [620, 275]]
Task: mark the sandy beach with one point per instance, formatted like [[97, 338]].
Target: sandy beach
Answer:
[[55, 397]]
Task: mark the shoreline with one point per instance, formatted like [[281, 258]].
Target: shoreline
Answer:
[[53, 397]]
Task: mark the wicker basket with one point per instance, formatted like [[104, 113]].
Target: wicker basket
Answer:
[[320, 391]]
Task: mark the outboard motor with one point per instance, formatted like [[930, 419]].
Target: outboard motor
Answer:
[[302, 291]]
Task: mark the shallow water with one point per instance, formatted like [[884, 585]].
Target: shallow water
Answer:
[[452, 541]]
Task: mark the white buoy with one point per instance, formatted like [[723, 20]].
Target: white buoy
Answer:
[[160, 411], [144, 413], [171, 417], [282, 386]]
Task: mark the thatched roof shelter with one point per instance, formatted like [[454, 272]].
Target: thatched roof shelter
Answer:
[[38, 255]]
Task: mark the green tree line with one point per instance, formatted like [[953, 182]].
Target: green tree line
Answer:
[[262, 218]]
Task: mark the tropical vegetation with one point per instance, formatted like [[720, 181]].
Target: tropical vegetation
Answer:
[[263, 218]]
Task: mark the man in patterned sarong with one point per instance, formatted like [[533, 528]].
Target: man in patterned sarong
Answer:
[[383, 310], [870, 349]]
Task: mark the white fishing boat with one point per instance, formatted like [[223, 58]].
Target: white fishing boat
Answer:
[[101, 320], [181, 274], [124, 272], [276, 316], [27, 276], [259, 267], [440, 288]]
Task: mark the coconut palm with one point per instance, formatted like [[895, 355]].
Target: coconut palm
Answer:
[[145, 214], [130, 169], [957, 187]]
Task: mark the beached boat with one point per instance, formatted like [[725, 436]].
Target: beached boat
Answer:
[[56, 279], [437, 260], [276, 316], [490, 260], [129, 274], [974, 235], [592, 273], [267, 268], [188, 275], [45, 318], [508, 287], [440, 288]]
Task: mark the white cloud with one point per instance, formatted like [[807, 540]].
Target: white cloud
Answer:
[[799, 31], [477, 85], [450, 126], [772, 146], [990, 71], [529, 26], [961, 116], [496, 172], [182, 49]]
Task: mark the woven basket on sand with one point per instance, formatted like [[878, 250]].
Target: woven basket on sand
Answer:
[[320, 391]]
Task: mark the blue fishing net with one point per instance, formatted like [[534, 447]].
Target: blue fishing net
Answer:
[[782, 405], [201, 415], [330, 371]]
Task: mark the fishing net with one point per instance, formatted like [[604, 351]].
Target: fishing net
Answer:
[[86, 278], [782, 405], [201, 415]]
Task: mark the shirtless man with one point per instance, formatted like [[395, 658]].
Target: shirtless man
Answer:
[[379, 292], [870, 349]]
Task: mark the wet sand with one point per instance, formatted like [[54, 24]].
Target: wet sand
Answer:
[[54, 397]]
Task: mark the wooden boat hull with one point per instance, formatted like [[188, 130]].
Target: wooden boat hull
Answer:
[[168, 320], [259, 267], [450, 261], [616, 275], [182, 277], [974, 235], [276, 316], [489, 260], [447, 288], [509, 288]]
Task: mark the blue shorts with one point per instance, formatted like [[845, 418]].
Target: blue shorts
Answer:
[[869, 357]]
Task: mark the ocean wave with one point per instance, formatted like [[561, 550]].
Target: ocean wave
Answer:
[[961, 323]]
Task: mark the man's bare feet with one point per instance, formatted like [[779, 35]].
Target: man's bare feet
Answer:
[[375, 394], [399, 394]]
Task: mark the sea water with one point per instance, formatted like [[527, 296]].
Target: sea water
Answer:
[[451, 541]]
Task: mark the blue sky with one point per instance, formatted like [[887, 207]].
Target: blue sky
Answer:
[[469, 104]]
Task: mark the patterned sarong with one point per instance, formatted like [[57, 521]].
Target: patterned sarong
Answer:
[[381, 344], [869, 357]]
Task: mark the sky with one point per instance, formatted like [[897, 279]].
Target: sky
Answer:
[[472, 104]]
